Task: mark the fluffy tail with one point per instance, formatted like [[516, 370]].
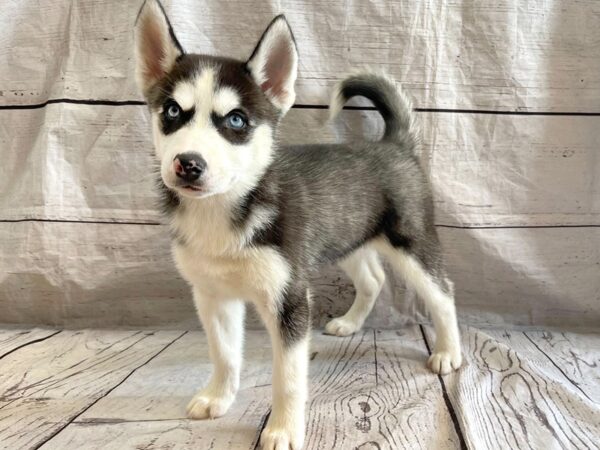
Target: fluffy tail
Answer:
[[390, 101]]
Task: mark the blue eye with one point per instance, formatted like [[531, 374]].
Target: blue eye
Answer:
[[235, 121], [173, 111]]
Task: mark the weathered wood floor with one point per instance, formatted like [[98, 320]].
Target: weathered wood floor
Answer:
[[94, 389]]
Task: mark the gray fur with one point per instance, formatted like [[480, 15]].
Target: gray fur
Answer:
[[331, 199]]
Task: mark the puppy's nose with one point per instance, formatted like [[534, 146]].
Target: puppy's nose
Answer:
[[189, 166]]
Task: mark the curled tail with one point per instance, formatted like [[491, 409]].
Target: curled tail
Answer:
[[390, 101]]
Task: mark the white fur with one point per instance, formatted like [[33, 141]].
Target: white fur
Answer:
[[258, 275], [367, 274], [446, 354], [223, 322], [225, 100], [221, 271], [185, 94], [286, 425]]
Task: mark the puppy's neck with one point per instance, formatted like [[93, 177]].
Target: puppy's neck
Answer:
[[224, 224]]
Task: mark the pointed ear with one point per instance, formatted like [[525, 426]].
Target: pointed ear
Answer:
[[156, 47], [274, 64]]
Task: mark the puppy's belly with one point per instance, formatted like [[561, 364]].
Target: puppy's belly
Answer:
[[257, 275]]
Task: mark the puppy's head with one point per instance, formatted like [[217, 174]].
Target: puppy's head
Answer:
[[213, 118]]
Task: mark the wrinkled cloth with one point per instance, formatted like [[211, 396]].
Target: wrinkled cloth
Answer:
[[517, 191]]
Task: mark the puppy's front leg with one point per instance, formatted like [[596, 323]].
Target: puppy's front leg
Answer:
[[223, 322], [288, 325]]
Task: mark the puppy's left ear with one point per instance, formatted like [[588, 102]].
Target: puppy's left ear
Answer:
[[156, 47], [274, 64]]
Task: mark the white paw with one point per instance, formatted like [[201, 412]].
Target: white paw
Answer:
[[208, 405], [282, 438], [444, 362], [342, 327]]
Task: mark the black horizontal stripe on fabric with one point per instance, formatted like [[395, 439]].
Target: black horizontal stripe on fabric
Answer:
[[441, 225], [75, 102], [509, 113], [504, 227], [310, 106], [110, 222], [466, 111]]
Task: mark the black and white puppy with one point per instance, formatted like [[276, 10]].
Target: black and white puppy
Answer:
[[251, 219]]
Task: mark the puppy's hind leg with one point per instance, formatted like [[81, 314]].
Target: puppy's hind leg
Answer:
[[366, 272], [436, 290], [223, 322]]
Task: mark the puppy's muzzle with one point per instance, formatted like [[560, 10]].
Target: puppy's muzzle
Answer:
[[189, 166]]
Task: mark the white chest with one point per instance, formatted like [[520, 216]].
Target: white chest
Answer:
[[254, 275], [216, 259]]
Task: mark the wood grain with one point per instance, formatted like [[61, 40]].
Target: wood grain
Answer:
[[162, 388], [367, 391], [363, 395], [12, 340], [501, 389], [574, 357], [372, 390], [148, 410], [45, 385]]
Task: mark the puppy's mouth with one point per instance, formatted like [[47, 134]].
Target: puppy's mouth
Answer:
[[189, 187], [192, 190], [204, 189]]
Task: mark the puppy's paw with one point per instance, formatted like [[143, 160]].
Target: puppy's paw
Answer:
[[444, 362], [342, 327], [282, 438], [208, 405]]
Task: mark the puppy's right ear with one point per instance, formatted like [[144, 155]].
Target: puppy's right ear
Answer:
[[156, 47]]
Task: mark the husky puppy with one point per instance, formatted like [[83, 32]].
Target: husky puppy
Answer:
[[251, 219]]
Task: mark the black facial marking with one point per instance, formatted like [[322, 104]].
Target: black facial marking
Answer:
[[240, 136], [228, 73], [254, 103], [171, 125]]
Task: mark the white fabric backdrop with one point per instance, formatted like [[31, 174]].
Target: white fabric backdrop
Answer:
[[509, 99]]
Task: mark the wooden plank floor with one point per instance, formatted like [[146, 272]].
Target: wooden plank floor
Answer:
[[108, 389]]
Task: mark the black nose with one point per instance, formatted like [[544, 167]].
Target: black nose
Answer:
[[189, 166]]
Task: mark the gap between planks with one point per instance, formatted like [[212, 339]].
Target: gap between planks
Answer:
[[447, 401], [23, 338], [109, 391]]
